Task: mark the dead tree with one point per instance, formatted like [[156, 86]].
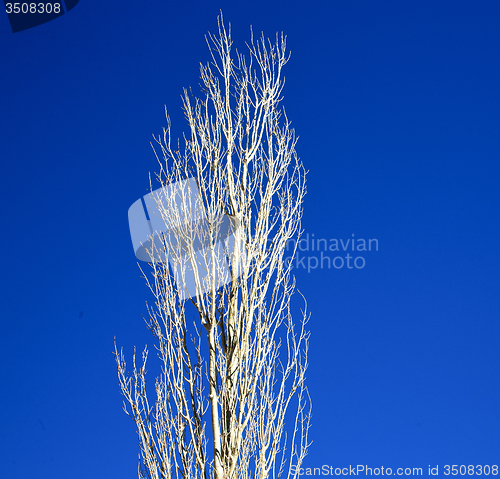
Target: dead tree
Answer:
[[229, 203]]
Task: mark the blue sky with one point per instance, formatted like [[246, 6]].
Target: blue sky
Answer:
[[397, 109]]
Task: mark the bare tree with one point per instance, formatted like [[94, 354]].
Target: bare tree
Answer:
[[230, 205]]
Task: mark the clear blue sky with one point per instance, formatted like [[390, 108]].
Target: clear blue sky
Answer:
[[398, 112]]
